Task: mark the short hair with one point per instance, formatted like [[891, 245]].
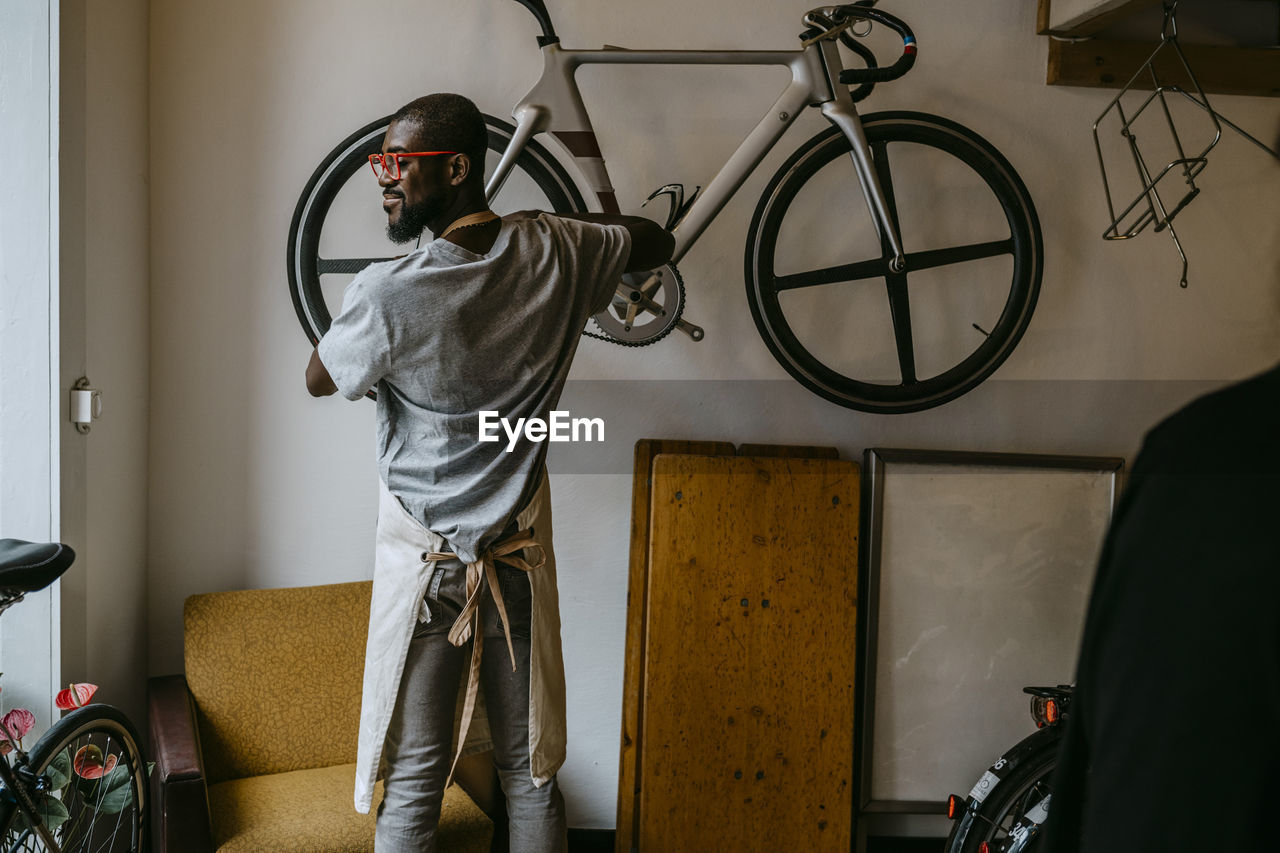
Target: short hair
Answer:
[[447, 122]]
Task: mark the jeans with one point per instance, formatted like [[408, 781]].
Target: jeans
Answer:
[[418, 746]]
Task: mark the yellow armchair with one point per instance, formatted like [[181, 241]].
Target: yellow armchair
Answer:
[[256, 745]]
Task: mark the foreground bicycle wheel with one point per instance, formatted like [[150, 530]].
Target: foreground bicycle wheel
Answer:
[[1008, 820], [95, 783], [338, 226], [817, 270]]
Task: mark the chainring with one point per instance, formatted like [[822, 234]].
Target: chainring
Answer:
[[646, 311]]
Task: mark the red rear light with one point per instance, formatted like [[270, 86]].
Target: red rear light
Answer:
[[1040, 711], [955, 806], [983, 848], [1051, 712]]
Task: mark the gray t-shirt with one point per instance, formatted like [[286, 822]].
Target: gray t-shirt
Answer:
[[443, 334]]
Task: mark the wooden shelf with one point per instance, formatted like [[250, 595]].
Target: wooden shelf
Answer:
[[1110, 65]]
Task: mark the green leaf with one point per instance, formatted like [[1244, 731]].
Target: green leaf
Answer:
[[52, 812], [59, 770], [114, 791]]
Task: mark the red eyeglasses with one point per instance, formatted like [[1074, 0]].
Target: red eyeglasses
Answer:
[[389, 164]]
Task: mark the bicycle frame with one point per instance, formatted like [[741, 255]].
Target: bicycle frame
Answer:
[[554, 105], [23, 803]]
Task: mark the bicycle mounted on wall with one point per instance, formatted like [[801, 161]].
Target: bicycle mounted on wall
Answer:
[[946, 210]]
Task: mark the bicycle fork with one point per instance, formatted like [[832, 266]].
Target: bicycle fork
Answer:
[[841, 112]]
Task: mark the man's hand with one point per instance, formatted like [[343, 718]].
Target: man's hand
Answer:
[[651, 244], [319, 382]]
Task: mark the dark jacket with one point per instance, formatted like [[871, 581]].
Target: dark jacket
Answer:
[[1174, 742]]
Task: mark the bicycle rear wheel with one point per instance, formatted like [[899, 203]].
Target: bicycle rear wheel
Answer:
[[96, 796], [1008, 820], [974, 263], [338, 226]]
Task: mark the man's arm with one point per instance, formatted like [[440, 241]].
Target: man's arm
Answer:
[[651, 244], [319, 382]]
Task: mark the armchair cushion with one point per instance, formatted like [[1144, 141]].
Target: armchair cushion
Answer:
[[310, 810]]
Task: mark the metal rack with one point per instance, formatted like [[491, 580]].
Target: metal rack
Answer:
[[1149, 205]]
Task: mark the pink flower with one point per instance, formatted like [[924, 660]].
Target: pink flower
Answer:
[[19, 721], [75, 696], [88, 763]]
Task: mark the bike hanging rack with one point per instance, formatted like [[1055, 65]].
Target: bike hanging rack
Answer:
[[1149, 207]]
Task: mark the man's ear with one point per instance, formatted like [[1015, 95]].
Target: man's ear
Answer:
[[459, 169]]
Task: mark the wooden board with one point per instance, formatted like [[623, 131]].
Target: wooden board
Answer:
[[632, 711], [1111, 64], [633, 670], [749, 652], [793, 451]]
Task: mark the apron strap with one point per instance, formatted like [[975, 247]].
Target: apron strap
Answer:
[[481, 573]]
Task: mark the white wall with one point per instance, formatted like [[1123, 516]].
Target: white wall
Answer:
[[102, 169], [255, 484], [118, 347], [29, 490]]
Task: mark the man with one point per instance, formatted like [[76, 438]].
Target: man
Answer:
[[486, 317], [1174, 741]]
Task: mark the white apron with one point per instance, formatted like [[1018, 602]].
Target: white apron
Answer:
[[400, 579]]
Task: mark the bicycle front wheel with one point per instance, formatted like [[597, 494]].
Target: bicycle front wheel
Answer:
[[338, 226], [974, 259], [94, 780]]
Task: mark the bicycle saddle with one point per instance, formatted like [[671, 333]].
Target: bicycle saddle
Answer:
[[1062, 691], [29, 566]]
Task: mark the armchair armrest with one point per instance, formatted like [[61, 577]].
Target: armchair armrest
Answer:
[[180, 794]]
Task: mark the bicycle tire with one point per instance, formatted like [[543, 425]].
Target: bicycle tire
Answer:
[[103, 813], [977, 165], [1025, 787], [305, 264]]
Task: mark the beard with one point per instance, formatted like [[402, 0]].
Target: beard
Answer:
[[413, 219]]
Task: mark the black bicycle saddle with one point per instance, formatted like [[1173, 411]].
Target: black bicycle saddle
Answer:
[[29, 566]]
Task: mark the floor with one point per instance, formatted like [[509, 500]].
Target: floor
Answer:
[[601, 841]]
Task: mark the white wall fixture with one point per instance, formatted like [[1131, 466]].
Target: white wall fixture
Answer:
[[86, 405]]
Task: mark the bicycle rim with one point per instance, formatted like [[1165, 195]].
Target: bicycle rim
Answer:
[[98, 787], [338, 226], [1012, 799], [817, 271]]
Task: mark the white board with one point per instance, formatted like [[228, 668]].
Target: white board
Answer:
[[979, 581]]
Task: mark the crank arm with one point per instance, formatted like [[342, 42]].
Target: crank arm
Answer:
[[689, 329]]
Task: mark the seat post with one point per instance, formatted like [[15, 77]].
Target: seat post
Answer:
[[539, 10]]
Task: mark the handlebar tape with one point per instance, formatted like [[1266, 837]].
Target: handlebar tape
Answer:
[[897, 69]]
